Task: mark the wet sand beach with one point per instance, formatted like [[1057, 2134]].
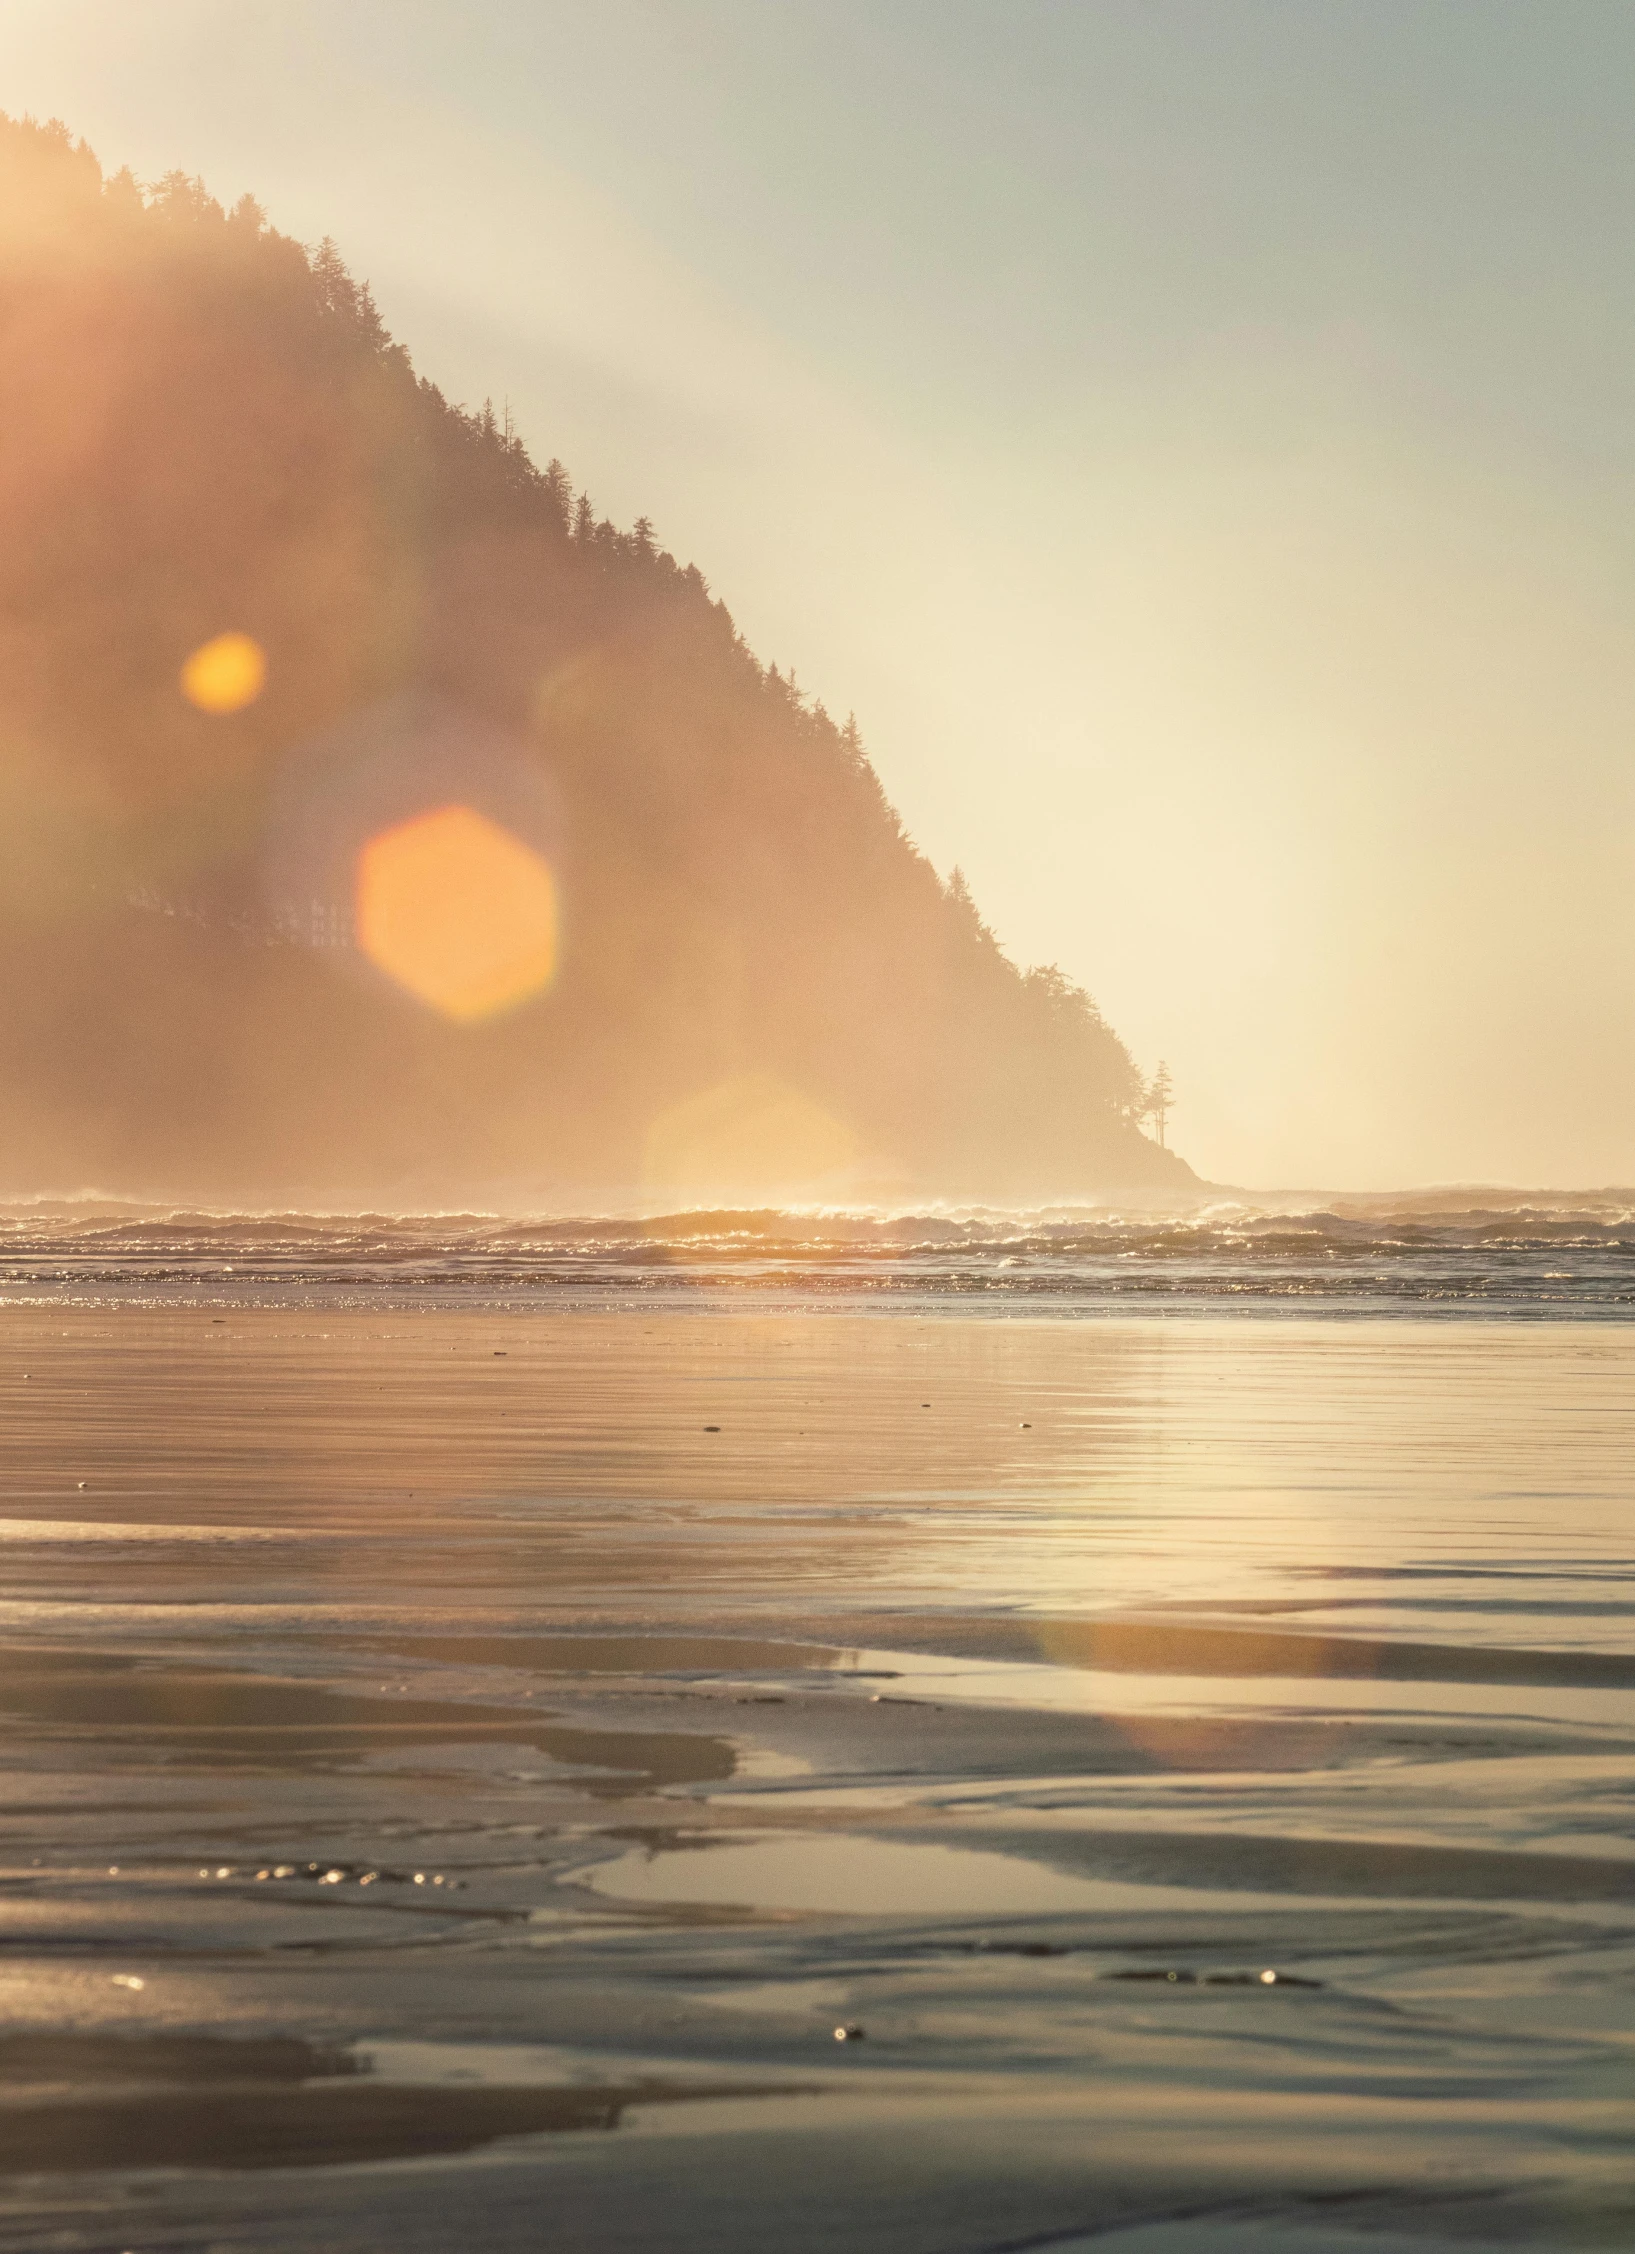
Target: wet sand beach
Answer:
[[737, 1776]]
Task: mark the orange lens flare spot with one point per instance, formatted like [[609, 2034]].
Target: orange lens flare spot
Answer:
[[225, 675], [458, 911]]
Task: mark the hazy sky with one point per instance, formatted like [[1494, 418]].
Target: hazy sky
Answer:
[[1195, 436]]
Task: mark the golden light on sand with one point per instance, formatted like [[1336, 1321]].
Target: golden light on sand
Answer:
[[226, 674], [753, 1134], [458, 911]]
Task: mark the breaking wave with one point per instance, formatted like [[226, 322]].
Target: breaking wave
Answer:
[[1457, 1252]]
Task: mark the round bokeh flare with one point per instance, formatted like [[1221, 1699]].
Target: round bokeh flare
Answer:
[[457, 911], [226, 674]]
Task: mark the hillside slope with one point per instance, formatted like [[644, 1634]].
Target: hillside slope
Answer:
[[246, 940]]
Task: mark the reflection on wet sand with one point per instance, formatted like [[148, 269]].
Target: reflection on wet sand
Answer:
[[81, 2104], [171, 1713], [432, 1734]]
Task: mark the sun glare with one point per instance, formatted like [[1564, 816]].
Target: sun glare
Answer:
[[754, 1133], [226, 674], [459, 912]]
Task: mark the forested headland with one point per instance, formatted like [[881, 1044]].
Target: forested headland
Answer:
[[377, 823]]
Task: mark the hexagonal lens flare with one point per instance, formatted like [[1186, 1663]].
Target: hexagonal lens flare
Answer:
[[458, 911], [226, 674]]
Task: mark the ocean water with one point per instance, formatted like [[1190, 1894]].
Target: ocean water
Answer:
[[936, 1734], [1459, 1251]]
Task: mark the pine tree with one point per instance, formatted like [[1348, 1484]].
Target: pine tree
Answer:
[[125, 196], [335, 290], [1160, 1096], [960, 899]]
